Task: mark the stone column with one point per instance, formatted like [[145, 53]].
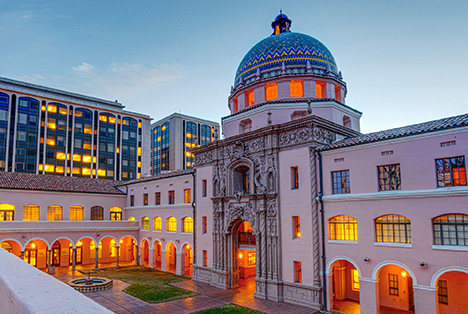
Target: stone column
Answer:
[[180, 264], [97, 258], [138, 255], [118, 257], [163, 259], [369, 295], [425, 300], [329, 294], [22, 255], [151, 258], [73, 259]]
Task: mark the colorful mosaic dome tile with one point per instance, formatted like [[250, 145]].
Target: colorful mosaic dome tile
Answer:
[[288, 47]]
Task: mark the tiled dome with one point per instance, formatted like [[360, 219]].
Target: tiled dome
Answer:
[[288, 48]]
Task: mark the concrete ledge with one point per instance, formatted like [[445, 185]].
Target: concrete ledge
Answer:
[[25, 289]]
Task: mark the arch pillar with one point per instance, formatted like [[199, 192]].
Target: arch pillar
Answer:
[[329, 279], [73, 259], [150, 257], [138, 254], [180, 263], [369, 295], [96, 257], [118, 257], [425, 299], [22, 255], [163, 259]]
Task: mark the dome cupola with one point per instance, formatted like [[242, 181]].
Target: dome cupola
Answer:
[[281, 24]]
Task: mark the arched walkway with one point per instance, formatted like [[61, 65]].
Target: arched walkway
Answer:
[[344, 287], [36, 253], [452, 290], [395, 287], [171, 258], [144, 253], [157, 255], [187, 260], [12, 246]]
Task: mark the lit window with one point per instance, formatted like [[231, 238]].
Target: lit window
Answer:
[[49, 168], [343, 228], [187, 196], [235, 106], [451, 230], [139, 151], [145, 199], [54, 212], [6, 212], [296, 227], [76, 157], [76, 170], [205, 258], [88, 129], [157, 224], [320, 91], [145, 223], [30, 212], [393, 284], [50, 141], [131, 218], [103, 118], [389, 177], [393, 228], [87, 158], [51, 124], [171, 224], [294, 178], [76, 212], [340, 181], [61, 156], [101, 172], [157, 197], [52, 108], [86, 171], [204, 224], [139, 125], [451, 171], [112, 120], [63, 111], [297, 271], [355, 275], [271, 91], [116, 213], [188, 225], [297, 89], [442, 291], [171, 197], [97, 213], [249, 97], [338, 93], [87, 146], [113, 247]]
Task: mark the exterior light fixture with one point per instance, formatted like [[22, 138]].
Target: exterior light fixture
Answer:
[[298, 234], [403, 273], [23, 235], [366, 259], [423, 264], [240, 255]]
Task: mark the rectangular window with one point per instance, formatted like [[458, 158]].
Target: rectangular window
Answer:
[[171, 197], [389, 177], [145, 199], [320, 89], [97, 213], [204, 224], [235, 106], [393, 284], [442, 291], [271, 91], [203, 188], [294, 178], [157, 197], [132, 200], [355, 275], [297, 271], [249, 97], [451, 171], [340, 181], [296, 88], [338, 93], [296, 227], [187, 196], [205, 258]]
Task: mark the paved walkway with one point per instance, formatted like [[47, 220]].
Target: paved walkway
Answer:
[[120, 302]]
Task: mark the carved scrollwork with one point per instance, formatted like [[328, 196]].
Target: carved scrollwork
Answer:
[[203, 158], [243, 211], [305, 134], [256, 145]]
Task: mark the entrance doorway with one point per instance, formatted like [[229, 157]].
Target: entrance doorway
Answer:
[[188, 257], [344, 285], [244, 257], [396, 288], [56, 254]]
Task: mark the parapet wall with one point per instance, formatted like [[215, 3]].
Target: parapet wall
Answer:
[[25, 289]]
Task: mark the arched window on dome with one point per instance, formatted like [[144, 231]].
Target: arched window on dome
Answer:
[[249, 97], [338, 93], [271, 91], [320, 89], [297, 88]]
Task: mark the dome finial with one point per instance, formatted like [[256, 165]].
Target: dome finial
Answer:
[[281, 24]]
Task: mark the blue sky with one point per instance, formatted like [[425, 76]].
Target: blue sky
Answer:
[[404, 61]]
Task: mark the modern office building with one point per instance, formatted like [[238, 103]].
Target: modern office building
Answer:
[[174, 138]]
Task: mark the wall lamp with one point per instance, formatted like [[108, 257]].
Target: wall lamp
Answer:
[[366, 259]]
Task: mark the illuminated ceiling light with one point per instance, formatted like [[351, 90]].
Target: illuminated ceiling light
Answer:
[[240, 255], [403, 274]]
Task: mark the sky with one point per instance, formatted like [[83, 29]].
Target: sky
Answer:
[[404, 62]]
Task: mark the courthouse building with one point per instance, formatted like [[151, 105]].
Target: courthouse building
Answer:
[[293, 201]]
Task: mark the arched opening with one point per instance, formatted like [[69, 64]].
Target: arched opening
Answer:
[[188, 224], [188, 260], [244, 257], [56, 254], [36, 254], [171, 258], [157, 255], [12, 247], [241, 182], [451, 292], [157, 224], [128, 250], [395, 289], [145, 253], [171, 224], [145, 223], [60, 253], [344, 287]]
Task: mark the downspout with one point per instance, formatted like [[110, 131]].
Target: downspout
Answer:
[[322, 217], [194, 256]]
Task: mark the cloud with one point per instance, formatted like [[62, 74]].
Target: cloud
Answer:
[[84, 67]]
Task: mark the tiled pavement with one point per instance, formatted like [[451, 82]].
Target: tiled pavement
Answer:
[[119, 302]]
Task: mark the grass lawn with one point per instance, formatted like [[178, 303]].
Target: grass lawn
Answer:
[[228, 309], [147, 284]]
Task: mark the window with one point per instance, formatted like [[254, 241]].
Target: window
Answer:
[[249, 97], [145, 199], [271, 91], [389, 177], [393, 284], [54, 212], [203, 188], [343, 228], [245, 126], [442, 291], [242, 180], [355, 284], [451, 230], [157, 224], [187, 196], [205, 258], [297, 89], [171, 224], [97, 213], [188, 224], [30, 212], [320, 89], [204, 224], [297, 272], [116, 213], [145, 223], [346, 121], [393, 228], [157, 197], [251, 259], [171, 197], [132, 200], [113, 247], [337, 93], [296, 227], [235, 105], [340, 181], [451, 171], [76, 212], [294, 178], [6, 212]]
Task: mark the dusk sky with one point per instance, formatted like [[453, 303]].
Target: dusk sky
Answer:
[[404, 61]]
